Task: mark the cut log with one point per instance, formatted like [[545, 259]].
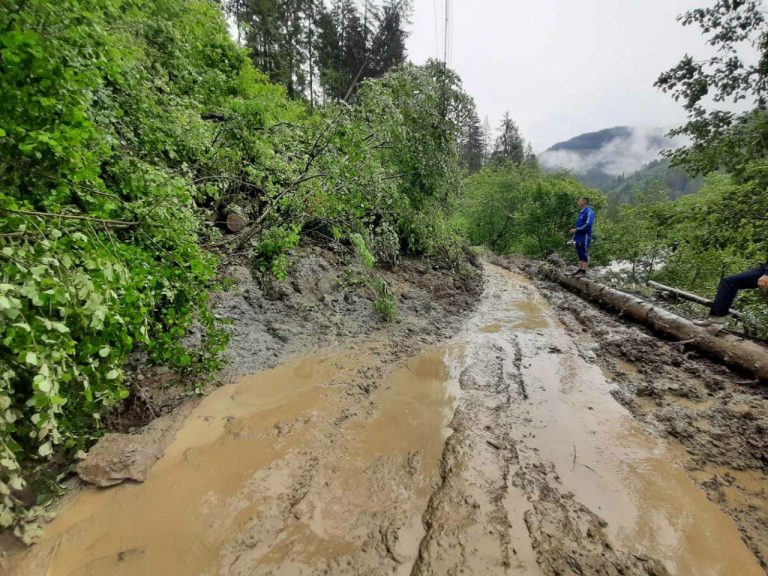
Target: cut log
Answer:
[[236, 222], [734, 351], [689, 296]]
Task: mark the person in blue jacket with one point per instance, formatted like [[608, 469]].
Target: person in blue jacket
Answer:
[[726, 294], [582, 234]]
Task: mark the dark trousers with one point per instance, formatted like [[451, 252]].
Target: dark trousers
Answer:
[[730, 285], [582, 249]]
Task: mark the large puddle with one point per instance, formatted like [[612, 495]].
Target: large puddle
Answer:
[[290, 472], [230, 467]]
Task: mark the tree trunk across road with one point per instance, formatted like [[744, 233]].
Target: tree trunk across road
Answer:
[[737, 352]]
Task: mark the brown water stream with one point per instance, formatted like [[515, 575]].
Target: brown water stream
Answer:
[[295, 471]]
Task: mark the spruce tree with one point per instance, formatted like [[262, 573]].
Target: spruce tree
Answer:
[[473, 146], [510, 146]]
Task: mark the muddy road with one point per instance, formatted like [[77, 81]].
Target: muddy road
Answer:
[[519, 446]]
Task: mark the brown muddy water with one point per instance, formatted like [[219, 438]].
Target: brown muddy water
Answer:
[[501, 452]]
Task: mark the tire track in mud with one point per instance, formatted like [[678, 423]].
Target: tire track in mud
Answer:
[[472, 527], [506, 502], [718, 416]]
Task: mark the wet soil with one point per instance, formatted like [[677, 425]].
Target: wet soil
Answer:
[[718, 417], [323, 302], [500, 450]]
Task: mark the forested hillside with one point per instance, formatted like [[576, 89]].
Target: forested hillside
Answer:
[[659, 174]]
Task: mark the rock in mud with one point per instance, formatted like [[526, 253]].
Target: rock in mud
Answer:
[[119, 457]]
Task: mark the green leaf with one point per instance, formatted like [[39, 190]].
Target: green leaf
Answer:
[[45, 449], [59, 327], [31, 358], [44, 385]]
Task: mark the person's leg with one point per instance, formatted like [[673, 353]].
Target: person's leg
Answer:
[[586, 255], [729, 286], [582, 255]]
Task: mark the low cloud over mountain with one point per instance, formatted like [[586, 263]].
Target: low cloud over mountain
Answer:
[[614, 151]]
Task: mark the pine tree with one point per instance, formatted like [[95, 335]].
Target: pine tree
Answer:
[[472, 145], [530, 157], [510, 146], [487, 138], [274, 31], [388, 45], [300, 42]]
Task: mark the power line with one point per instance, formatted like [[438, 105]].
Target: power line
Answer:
[[437, 34], [445, 39]]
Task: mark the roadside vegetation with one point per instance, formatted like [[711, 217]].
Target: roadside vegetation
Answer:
[[135, 137], [695, 240], [688, 241]]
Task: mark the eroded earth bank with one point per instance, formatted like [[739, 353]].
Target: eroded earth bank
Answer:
[[531, 435]]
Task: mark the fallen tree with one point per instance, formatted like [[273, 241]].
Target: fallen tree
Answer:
[[689, 296], [737, 352]]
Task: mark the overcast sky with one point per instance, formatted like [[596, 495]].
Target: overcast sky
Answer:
[[561, 67]]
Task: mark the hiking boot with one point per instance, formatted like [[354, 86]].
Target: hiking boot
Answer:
[[578, 273], [712, 324]]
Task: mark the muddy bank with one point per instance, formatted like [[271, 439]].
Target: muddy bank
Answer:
[[500, 450], [720, 418], [323, 302]]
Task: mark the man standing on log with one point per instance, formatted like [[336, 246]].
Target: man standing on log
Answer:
[[582, 234], [726, 293]]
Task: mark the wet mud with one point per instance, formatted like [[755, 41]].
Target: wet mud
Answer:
[[718, 418], [512, 448]]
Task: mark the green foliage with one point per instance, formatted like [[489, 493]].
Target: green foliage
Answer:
[[124, 126], [307, 44], [720, 136], [385, 245], [622, 189], [362, 250], [473, 152], [692, 242], [100, 122], [510, 146], [270, 254], [520, 209], [385, 303]]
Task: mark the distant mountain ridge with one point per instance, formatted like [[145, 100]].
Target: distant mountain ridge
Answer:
[[591, 141], [619, 161]]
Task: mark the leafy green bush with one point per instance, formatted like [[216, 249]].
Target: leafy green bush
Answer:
[[98, 228], [362, 250], [521, 209], [385, 303], [270, 253], [692, 242], [386, 246]]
